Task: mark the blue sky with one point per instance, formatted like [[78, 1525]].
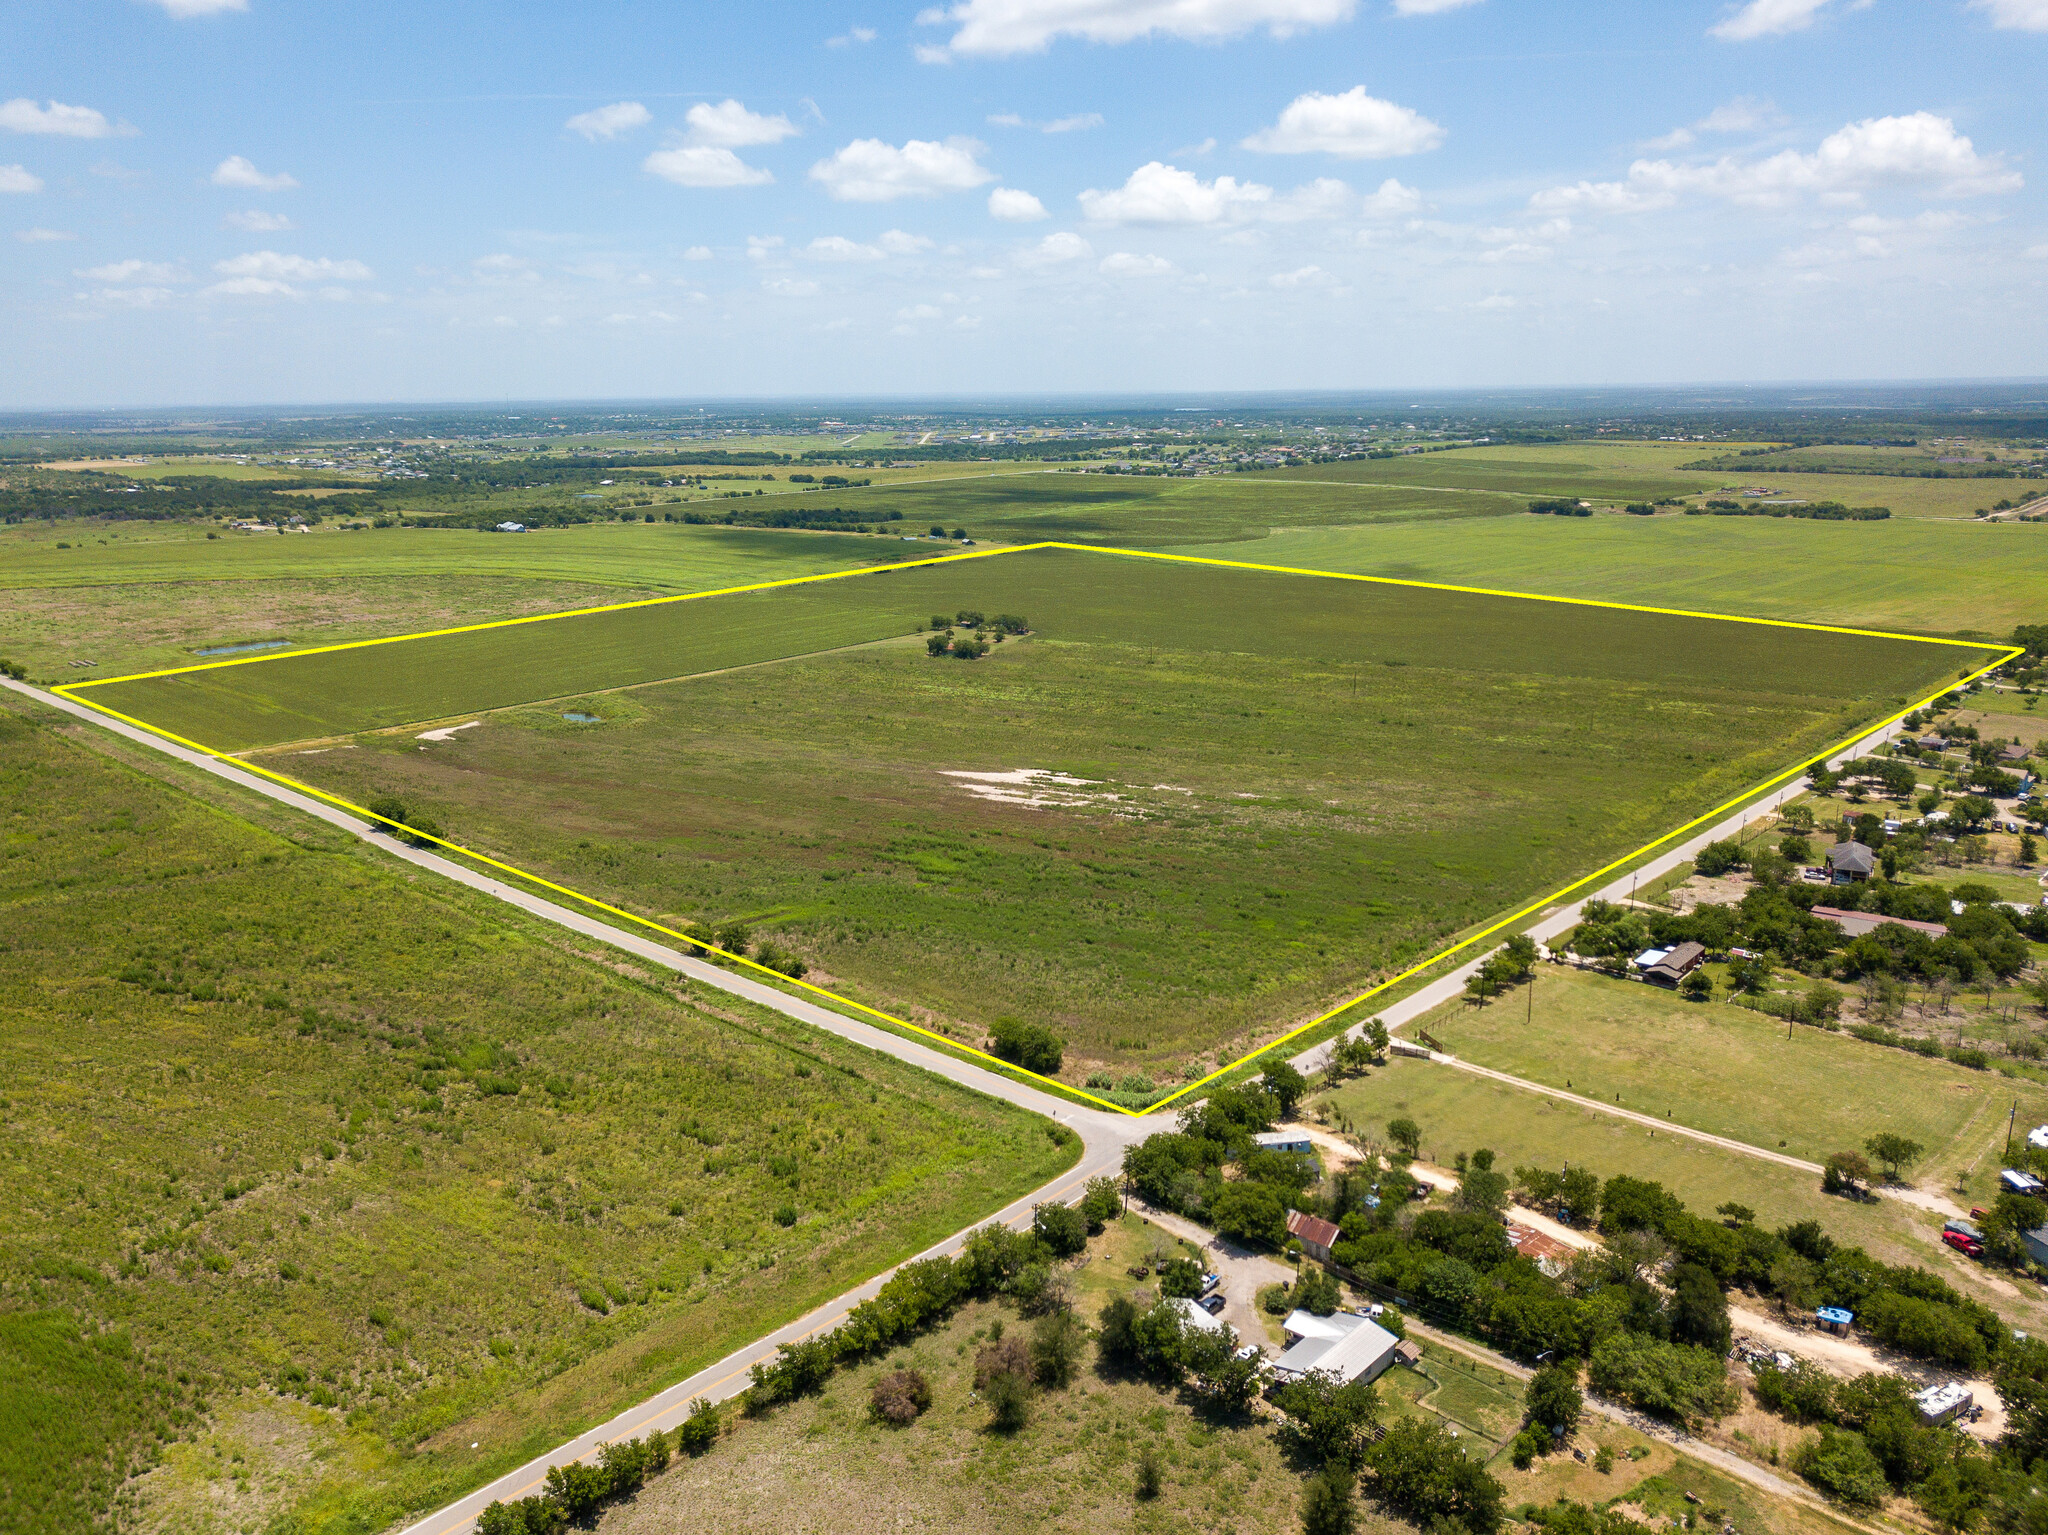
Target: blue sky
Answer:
[[279, 201]]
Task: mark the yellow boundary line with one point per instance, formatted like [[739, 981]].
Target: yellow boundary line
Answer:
[[71, 691]]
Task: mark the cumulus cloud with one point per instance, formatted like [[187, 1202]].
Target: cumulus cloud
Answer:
[[235, 171], [697, 253], [501, 268], [130, 298], [1157, 193], [872, 171], [1921, 151], [183, 10], [134, 271], [1352, 125], [271, 266], [254, 287], [1015, 207], [609, 122], [1429, 7], [1745, 114], [2016, 15], [1056, 248], [1124, 264], [1392, 200], [256, 221], [1772, 18], [18, 178], [992, 28], [729, 125], [851, 36], [893, 242], [1300, 277], [700, 165], [921, 312], [22, 115], [41, 236]]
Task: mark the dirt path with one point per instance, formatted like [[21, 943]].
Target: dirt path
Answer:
[[1240, 1272], [1848, 1357]]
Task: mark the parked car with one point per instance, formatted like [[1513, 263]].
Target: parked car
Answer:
[[1968, 1246], [1210, 1282], [1250, 1351], [1213, 1304], [1963, 1228]]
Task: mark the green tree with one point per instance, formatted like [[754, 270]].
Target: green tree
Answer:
[[1326, 1418], [1839, 1462], [577, 1489], [1101, 1202], [1115, 1332], [1697, 987], [1030, 1045], [1420, 1471], [1009, 1402], [1326, 1505], [1285, 1084], [1699, 1311], [1845, 1173], [1062, 1228], [1406, 1134], [699, 1431], [1894, 1151], [1056, 1343], [1553, 1400], [1719, 858], [1250, 1213], [1316, 1291], [1670, 1380]]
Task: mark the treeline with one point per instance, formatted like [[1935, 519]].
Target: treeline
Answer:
[[956, 452], [171, 498], [1890, 471], [1821, 511]]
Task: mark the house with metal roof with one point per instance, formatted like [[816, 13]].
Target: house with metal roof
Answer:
[[1847, 861], [1349, 1347]]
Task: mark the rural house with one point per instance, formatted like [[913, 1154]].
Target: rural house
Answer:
[[1315, 1234], [2012, 751], [1667, 967], [1349, 1347], [1847, 861], [1296, 1141]]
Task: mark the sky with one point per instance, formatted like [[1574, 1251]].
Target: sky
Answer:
[[263, 202]]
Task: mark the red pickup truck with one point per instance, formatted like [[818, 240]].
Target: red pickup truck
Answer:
[[1964, 1243]]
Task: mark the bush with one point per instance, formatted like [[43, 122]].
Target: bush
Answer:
[[1424, 1474], [1841, 1465], [1669, 1380], [1029, 1045], [900, 1397], [1148, 1474], [1326, 1506], [1009, 1402], [699, 1431]]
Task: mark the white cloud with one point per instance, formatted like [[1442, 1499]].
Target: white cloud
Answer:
[[270, 264], [899, 242], [791, 287], [183, 10], [839, 248], [1518, 251], [1323, 198], [18, 178], [1124, 264], [851, 36], [871, 171], [1392, 200], [761, 247], [1055, 248], [2037, 253], [501, 268], [1299, 277], [1495, 301], [1745, 114], [22, 115], [41, 236], [1015, 207], [235, 171], [609, 122], [697, 253], [921, 312], [134, 271], [1072, 124], [698, 165], [1429, 7], [988, 28], [1770, 18], [2016, 15], [1920, 151], [130, 298], [254, 287], [1353, 125], [731, 126], [255, 221], [1156, 193]]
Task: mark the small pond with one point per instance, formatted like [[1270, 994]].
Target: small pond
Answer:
[[236, 650], [583, 719]]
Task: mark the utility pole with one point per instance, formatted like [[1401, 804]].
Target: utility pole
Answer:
[[1531, 1017], [2009, 1118]]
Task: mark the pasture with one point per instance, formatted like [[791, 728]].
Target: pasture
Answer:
[[347, 1170], [1269, 789], [1596, 471]]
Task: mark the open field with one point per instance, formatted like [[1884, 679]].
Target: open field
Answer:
[[1618, 471], [373, 1171], [1734, 1072], [1462, 1112], [1927, 577], [1422, 758]]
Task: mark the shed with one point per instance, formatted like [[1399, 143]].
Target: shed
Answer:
[[1316, 1235], [1933, 744], [1408, 1352], [1677, 963], [1285, 1140], [1848, 861], [1939, 1404], [1834, 1319]]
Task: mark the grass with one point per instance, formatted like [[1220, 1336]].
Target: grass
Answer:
[[377, 1171], [1419, 760], [1462, 1112], [1592, 471], [1969, 580]]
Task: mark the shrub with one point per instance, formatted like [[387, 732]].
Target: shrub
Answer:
[[1148, 1473], [1032, 1046], [1009, 1402], [1669, 1380], [900, 1397], [1841, 1465], [699, 1431], [1326, 1506]]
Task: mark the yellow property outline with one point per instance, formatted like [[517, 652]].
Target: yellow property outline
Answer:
[[72, 690]]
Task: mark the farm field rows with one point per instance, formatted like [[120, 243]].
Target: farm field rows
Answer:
[[319, 1140], [1414, 760]]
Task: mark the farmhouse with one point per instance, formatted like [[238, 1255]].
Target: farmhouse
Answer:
[[1847, 861], [1315, 1234], [1933, 743], [1349, 1347], [1667, 967], [2012, 751], [1296, 1141]]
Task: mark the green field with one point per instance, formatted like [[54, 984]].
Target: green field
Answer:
[[1459, 1111], [1414, 760], [346, 1169], [1594, 471], [1733, 1072]]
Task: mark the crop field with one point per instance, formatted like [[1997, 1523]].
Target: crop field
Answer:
[[1413, 760], [1459, 1111], [1596, 471], [1734, 1072], [1968, 579], [316, 1173]]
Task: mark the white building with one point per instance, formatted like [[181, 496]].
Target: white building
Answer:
[[1350, 1347], [1192, 1315], [1938, 1404]]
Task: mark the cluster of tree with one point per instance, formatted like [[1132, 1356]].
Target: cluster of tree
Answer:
[[973, 618], [1823, 511], [575, 1493], [1514, 963], [410, 826], [171, 498], [828, 481], [1562, 506], [1032, 1046]]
